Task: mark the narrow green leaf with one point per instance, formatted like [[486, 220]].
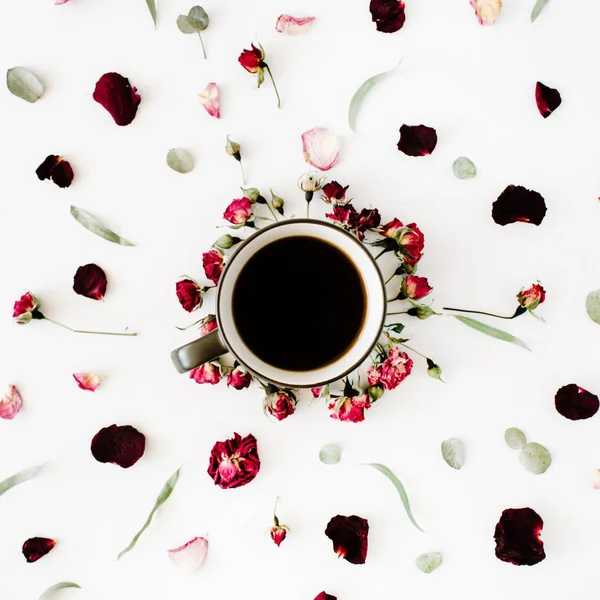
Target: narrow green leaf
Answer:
[[180, 160], [592, 305], [463, 168], [362, 91], [59, 586], [515, 438], [24, 84], [492, 331], [399, 488], [537, 9], [152, 8], [453, 452], [162, 498], [330, 454], [19, 477], [429, 562], [535, 458], [197, 18], [92, 224]]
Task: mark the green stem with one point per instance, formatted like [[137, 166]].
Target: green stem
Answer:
[[273, 81], [415, 351], [392, 277], [85, 331], [403, 312], [272, 211], [308, 210], [202, 42], [243, 172], [478, 312]]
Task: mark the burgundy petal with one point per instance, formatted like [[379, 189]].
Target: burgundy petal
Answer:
[[517, 203], [575, 403], [350, 538], [417, 140], [117, 96], [517, 537], [120, 445], [36, 547], [90, 281], [234, 462], [62, 175], [44, 171], [388, 15], [548, 99], [325, 596]]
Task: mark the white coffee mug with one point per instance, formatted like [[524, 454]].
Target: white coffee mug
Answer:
[[227, 339]]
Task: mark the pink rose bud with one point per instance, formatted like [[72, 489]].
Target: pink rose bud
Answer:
[[531, 298], [239, 378], [278, 533], [411, 244], [25, 308], [350, 409], [395, 368], [189, 294], [10, 403], [239, 211], [87, 381], [209, 372], [212, 261], [280, 405], [417, 287]]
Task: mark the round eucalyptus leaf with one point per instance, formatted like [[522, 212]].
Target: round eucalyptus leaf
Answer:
[[592, 305], [463, 168], [184, 24], [330, 454], [24, 84], [180, 160], [429, 562], [198, 18], [535, 458], [515, 438], [453, 452]]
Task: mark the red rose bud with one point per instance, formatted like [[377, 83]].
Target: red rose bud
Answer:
[[548, 99], [35, 548], [349, 409], [368, 218], [115, 94], [280, 405], [239, 211], [90, 281], [120, 445], [417, 140], [239, 378], [416, 288], [56, 168], [575, 403], [532, 298], [25, 308], [208, 324], [334, 193], [346, 216], [392, 228], [189, 294], [388, 15], [278, 533], [325, 596], [212, 261], [252, 60], [234, 462], [350, 538], [517, 537], [209, 372], [518, 204], [411, 244]]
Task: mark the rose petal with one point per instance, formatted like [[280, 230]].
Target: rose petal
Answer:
[[191, 556], [44, 171], [517, 537], [62, 175], [575, 403], [487, 11], [388, 15], [518, 204], [234, 462], [321, 148], [10, 403], [548, 99], [417, 140], [35, 548], [120, 445], [210, 99], [115, 94], [350, 538], [325, 596], [87, 381], [90, 281], [293, 25], [59, 2]]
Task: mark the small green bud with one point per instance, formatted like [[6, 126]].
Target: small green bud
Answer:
[[233, 149], [251, 193]]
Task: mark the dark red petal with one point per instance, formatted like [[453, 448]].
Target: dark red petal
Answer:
[[388, 15], [517, 537], [36, 547], [62, 175], [44, 171], [90, 281], [245, 452], [517, 203], [117, 96], [575, 403], [120, 445], [548, 99], [325, 596], [350, 538], [417, 140]]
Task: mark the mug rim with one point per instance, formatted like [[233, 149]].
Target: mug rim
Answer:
[[319, 223]]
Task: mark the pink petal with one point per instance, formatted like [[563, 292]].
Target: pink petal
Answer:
[[10, 403], [293, 25], [321, 148], [487, 11], [87, 381], [190, 557], [210, 100], [58, 2]]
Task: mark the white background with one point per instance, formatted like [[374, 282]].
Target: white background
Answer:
[[475, 85]]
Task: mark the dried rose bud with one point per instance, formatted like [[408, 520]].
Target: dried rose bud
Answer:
[[90, 281], [36, 547], [10, 403], [212, 262], [277, 202], [278, 534], [575, 403], [234, 462], [252, 60], [310, 182], [239, 211], [375, 391], [388, 15], [56, 168], [226, 241], [87, 381], [411, 244], [350, 538], [396, 367], [417, 140], [325, 596], [238, 378], [350, 409], [391, 229], [25, 309], [209, 372], [346, 216], [191, 556], [233, 149], [189, 294], [517, 537], [334, 193], [115, 94], [120, 445], [415, 287], [518, 204], [253, 194], [280, 404], [532, 297]]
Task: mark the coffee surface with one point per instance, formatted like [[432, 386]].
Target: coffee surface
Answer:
[[299, 303]]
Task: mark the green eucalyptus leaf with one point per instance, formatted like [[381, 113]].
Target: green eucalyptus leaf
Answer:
[[166, 491], [491, 331], [96, 226], [184, 24], [56, 587], [330, 454], [180, 160], [198, 18], [399, 488], [20, 477], [535, 458], [592, 305], [24, 84], [463, 168], [515, 438], [152, 8], [538, 8], [429, 562], [361, 93], [453, 452]]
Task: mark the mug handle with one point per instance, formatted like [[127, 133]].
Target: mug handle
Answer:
[[198, 352]]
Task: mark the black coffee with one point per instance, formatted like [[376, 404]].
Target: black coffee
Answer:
[[299, 303]]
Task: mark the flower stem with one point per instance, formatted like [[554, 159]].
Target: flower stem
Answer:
[[479, 312], [392, 277], [243, 172], [202, 42], [403, 312], [308, 210], [415, 351], [272, 211], [85, 331], [276, 91]]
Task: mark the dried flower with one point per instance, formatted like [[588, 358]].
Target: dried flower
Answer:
[[115, 94], [191, 556], [350, 538], [212, 262], [334, 193], [293, 25], [415, 288], [56, 168], [391, 229], [209, 372], [120, 445], [254, 62], [278, 531], [487, 11], [388, 15], [10, 403], [518, 204], [87, 381], [36, 547], [392, 371], [349, 408], [90, 281], [210, 99], [280, 404], [226, 241], [417, 140], [575, 403], [517, 537], [321, 148], [532, 297], [189, 294], [277, 202], [325, 596], [548, 99], [234, 462], [239, 212], [411, 244], [238, 378], [208, 324]]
